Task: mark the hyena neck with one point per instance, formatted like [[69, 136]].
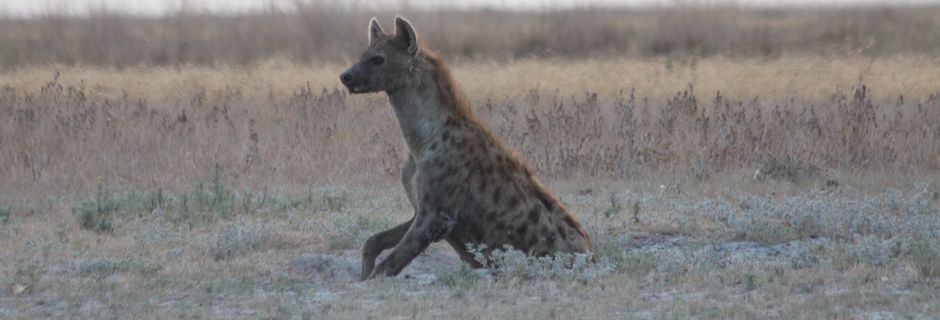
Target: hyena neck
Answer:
[[425, 103]]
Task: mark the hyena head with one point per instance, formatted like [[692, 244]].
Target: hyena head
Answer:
[[387, 62]]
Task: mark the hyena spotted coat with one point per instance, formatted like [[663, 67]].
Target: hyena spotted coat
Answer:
[[465, 185]]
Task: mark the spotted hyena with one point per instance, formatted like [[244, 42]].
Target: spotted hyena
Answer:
[[467, 187]]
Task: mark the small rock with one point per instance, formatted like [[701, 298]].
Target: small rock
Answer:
[[424, 279], [327, 267], [18, 288]]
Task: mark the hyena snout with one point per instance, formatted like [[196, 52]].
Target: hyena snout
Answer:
[[346, 78], [355, 82], [350, 80]]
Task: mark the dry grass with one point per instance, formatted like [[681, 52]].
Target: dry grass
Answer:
[[806, 77], [322, 32], [280, 124]]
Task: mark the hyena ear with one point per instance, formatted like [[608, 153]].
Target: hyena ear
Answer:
[[375, 31], [406, 35]]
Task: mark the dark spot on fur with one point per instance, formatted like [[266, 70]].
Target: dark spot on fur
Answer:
[[531, 240], [522, 229], [471, 149], [548, 203], [533, 216], [497, 192], [513, 201], [448, 171], [562, 232], [544, 229], [570, 222], [476, 166], [445, 136], [450, 122], [439, 228], [501, 170], [482, 186], [447, 190], [433, 199], [432, 146], [550, 241], [469, 230]]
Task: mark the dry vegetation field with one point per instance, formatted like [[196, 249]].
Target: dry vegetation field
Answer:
[[729, 163]]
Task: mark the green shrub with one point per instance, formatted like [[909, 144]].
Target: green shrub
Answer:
[[5, 213], [97, 215], [926, 256]]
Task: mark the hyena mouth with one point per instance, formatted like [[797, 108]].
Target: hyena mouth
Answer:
[[354, 89], [354, 85]]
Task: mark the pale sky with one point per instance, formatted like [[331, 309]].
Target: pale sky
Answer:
[[158, 7]]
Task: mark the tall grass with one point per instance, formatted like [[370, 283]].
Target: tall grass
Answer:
[[63, 139]]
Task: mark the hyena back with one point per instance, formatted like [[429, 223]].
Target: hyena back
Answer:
[[465, 185]]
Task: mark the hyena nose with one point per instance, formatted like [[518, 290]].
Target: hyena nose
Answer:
[[346, 78]]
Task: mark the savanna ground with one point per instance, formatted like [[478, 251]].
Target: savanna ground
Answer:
[[728, 163]]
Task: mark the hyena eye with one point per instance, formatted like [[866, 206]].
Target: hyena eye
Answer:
[[377, 60]]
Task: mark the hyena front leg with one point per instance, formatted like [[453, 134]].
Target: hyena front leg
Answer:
[[427, 228], [380, 242], [389, 238]]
